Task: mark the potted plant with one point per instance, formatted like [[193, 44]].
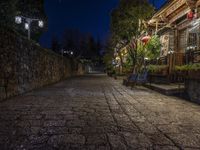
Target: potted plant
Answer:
[[191, 71], [194, 71], [182, 70], [158, 69]]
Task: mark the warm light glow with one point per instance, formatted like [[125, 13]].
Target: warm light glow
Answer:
[[126, 51], [117, 58]]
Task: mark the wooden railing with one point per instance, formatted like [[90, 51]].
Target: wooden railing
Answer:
[[192, 57], [177, 59]]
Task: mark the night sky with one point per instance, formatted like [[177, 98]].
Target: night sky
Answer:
[[89, 16]]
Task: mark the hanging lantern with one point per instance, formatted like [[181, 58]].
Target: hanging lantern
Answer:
[[146, 39], [190, 15]]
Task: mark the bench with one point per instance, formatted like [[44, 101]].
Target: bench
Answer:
[[130, 79], [141, 79]]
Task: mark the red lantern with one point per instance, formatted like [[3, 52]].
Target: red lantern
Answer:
[[146, 39], [190, 15]]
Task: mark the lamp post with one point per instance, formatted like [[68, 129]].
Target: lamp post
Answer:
[[63, 68], [145, 62], [171, 60], [28, 21], [70, 53]]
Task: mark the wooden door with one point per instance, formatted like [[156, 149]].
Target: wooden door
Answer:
[[182, 41]]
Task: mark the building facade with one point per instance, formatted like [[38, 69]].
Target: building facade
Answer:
[[178, 25]]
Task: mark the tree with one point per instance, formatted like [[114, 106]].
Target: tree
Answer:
[[8, 11], [127, 24], [71, 41], [84, 46], [109, 53], [55, 45]]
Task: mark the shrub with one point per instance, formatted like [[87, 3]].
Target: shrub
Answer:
[[156, 68], [188, 67]]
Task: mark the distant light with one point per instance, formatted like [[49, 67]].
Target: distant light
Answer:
[[26, 26], [72, 53], [18, 19], [146, 58], [41, 24]]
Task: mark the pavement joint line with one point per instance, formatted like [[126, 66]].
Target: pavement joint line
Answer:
[[124, 141], [129, 117], [177, 145]]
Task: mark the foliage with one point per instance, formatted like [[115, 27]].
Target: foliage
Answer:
[[188, 67], [7, 12], [153, 47], [156, 68], [28, 8], [109, 53], [84, 46], [128, 65], [55, 45], [125, 18], [127, 23]]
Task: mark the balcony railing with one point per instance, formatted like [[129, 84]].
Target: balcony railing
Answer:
[[192, 57], [178, 59]]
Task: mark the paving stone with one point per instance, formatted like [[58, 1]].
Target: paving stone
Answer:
[[96, 139], [98, 113], [74, 139], [160, 139], [137, 139], [54, 123], [186, 140], [116, 142]]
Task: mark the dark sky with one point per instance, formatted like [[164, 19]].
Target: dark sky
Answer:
[[89, 16]]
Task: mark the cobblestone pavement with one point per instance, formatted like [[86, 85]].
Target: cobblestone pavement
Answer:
[[97, 112]]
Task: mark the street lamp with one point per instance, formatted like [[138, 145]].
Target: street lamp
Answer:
[[28, 21]]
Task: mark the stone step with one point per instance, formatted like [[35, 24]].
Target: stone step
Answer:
[[167, 89]]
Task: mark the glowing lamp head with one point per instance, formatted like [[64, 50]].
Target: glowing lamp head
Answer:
[[41, 24], [26, 26], [18, 20]]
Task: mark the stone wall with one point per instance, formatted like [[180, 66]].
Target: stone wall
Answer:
[[24, 65], [193, 90]]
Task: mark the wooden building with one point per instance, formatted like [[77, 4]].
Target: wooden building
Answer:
[[178, 25]]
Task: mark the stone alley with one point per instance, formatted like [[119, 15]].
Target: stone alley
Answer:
[[97, 112]]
